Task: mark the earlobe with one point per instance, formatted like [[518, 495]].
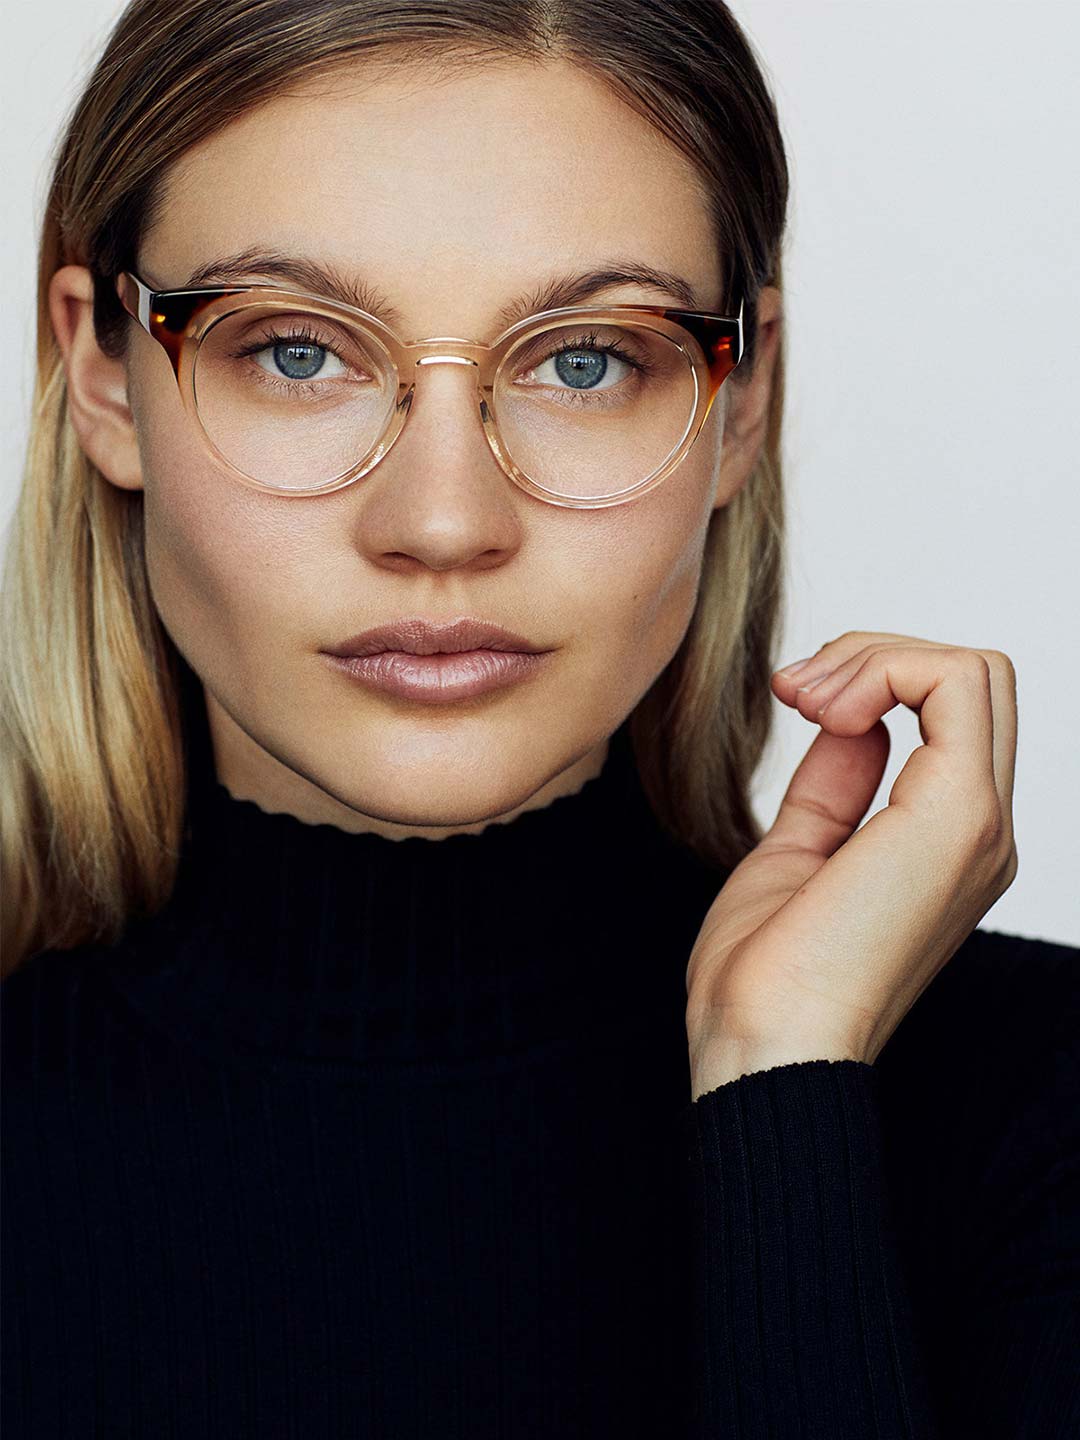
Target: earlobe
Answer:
[[750, 403], [97, 391]]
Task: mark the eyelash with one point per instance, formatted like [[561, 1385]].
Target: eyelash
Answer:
[[305, 336], [302, 336], [588, 342]]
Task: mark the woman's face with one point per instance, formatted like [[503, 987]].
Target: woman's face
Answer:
[[449, 199]]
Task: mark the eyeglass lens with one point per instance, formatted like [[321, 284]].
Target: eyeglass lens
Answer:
[[295, 399]]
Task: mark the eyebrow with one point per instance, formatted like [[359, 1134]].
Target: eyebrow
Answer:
[[327, 280]]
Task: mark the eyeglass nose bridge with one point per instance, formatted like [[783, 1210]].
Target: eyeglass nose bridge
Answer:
[[484, 361], [444, 350], [410, 358]]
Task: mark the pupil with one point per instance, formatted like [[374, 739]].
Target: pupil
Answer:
[[299, 360], [575, 366]]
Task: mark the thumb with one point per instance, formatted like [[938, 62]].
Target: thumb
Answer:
[[830, 792]]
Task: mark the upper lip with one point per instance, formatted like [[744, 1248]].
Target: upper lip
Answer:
[[417, 636]]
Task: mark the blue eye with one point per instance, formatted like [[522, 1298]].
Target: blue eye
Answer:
[[585, 363], [581, 368], [297, 359]]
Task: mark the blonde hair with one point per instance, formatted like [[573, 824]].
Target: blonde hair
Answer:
[[93, 792]]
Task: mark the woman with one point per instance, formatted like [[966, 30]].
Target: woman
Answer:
[[354, 990]]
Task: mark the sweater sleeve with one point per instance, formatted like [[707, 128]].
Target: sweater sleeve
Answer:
[[803, 1316]]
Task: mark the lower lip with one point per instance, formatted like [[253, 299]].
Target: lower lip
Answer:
[[439, 679]]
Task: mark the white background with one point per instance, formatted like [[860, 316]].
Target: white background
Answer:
[[933, 312]]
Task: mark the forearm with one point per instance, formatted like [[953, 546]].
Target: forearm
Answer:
[[803, 1320]]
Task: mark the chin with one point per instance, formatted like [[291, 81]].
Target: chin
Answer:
[[433, 811]]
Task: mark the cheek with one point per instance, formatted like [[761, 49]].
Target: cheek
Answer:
[[647, 581], [220, 557]]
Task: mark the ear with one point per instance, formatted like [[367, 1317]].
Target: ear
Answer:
[[747, 419], [97, 392]]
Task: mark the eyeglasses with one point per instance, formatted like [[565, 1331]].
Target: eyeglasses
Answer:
[[582, 406]]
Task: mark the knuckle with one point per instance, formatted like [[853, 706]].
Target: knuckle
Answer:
[[986, 828], [1009, 867], [975, 662], [1001, 665], [976, 821]]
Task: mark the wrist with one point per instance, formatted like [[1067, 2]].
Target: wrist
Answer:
[[718, 1060]]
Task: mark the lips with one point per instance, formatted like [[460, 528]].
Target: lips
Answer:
[[417, 636], [440, 679]]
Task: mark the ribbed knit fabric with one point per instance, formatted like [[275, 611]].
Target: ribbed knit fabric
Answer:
[[394, 1139]]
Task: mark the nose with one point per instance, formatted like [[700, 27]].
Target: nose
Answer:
[[441, 501], [449, 399], [461, 395]]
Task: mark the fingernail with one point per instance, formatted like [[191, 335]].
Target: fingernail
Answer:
[[816, 680], [796, 667]]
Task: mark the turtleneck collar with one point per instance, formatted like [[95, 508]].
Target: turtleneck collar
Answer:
[[296, 941]]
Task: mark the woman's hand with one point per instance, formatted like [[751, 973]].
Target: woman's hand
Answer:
[[823, 937]]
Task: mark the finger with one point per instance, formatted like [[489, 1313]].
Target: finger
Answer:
[[811, 703], [835, 652], [1003, 692], [950, 690], [837, 663], [829, 793]]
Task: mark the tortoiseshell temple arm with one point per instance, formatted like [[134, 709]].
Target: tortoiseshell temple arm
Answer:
[[167, 316], [720, 338]]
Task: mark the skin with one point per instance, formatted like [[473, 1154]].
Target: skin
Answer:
[[825, 934], [251, 586]]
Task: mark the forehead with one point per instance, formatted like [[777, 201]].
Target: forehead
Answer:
[[447, 193]]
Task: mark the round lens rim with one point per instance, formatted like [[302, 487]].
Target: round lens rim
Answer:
[[674, 454], [343, 477], [279, 298]]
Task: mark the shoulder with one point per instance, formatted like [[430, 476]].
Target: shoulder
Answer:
[[1000, 994], [45, 1003], [1004, 957], [49, 971], [984, 1070]]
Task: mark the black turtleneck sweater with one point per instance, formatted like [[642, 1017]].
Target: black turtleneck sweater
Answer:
[[361, 1137]]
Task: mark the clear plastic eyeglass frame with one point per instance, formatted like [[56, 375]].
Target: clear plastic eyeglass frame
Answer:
[[178, 320]]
